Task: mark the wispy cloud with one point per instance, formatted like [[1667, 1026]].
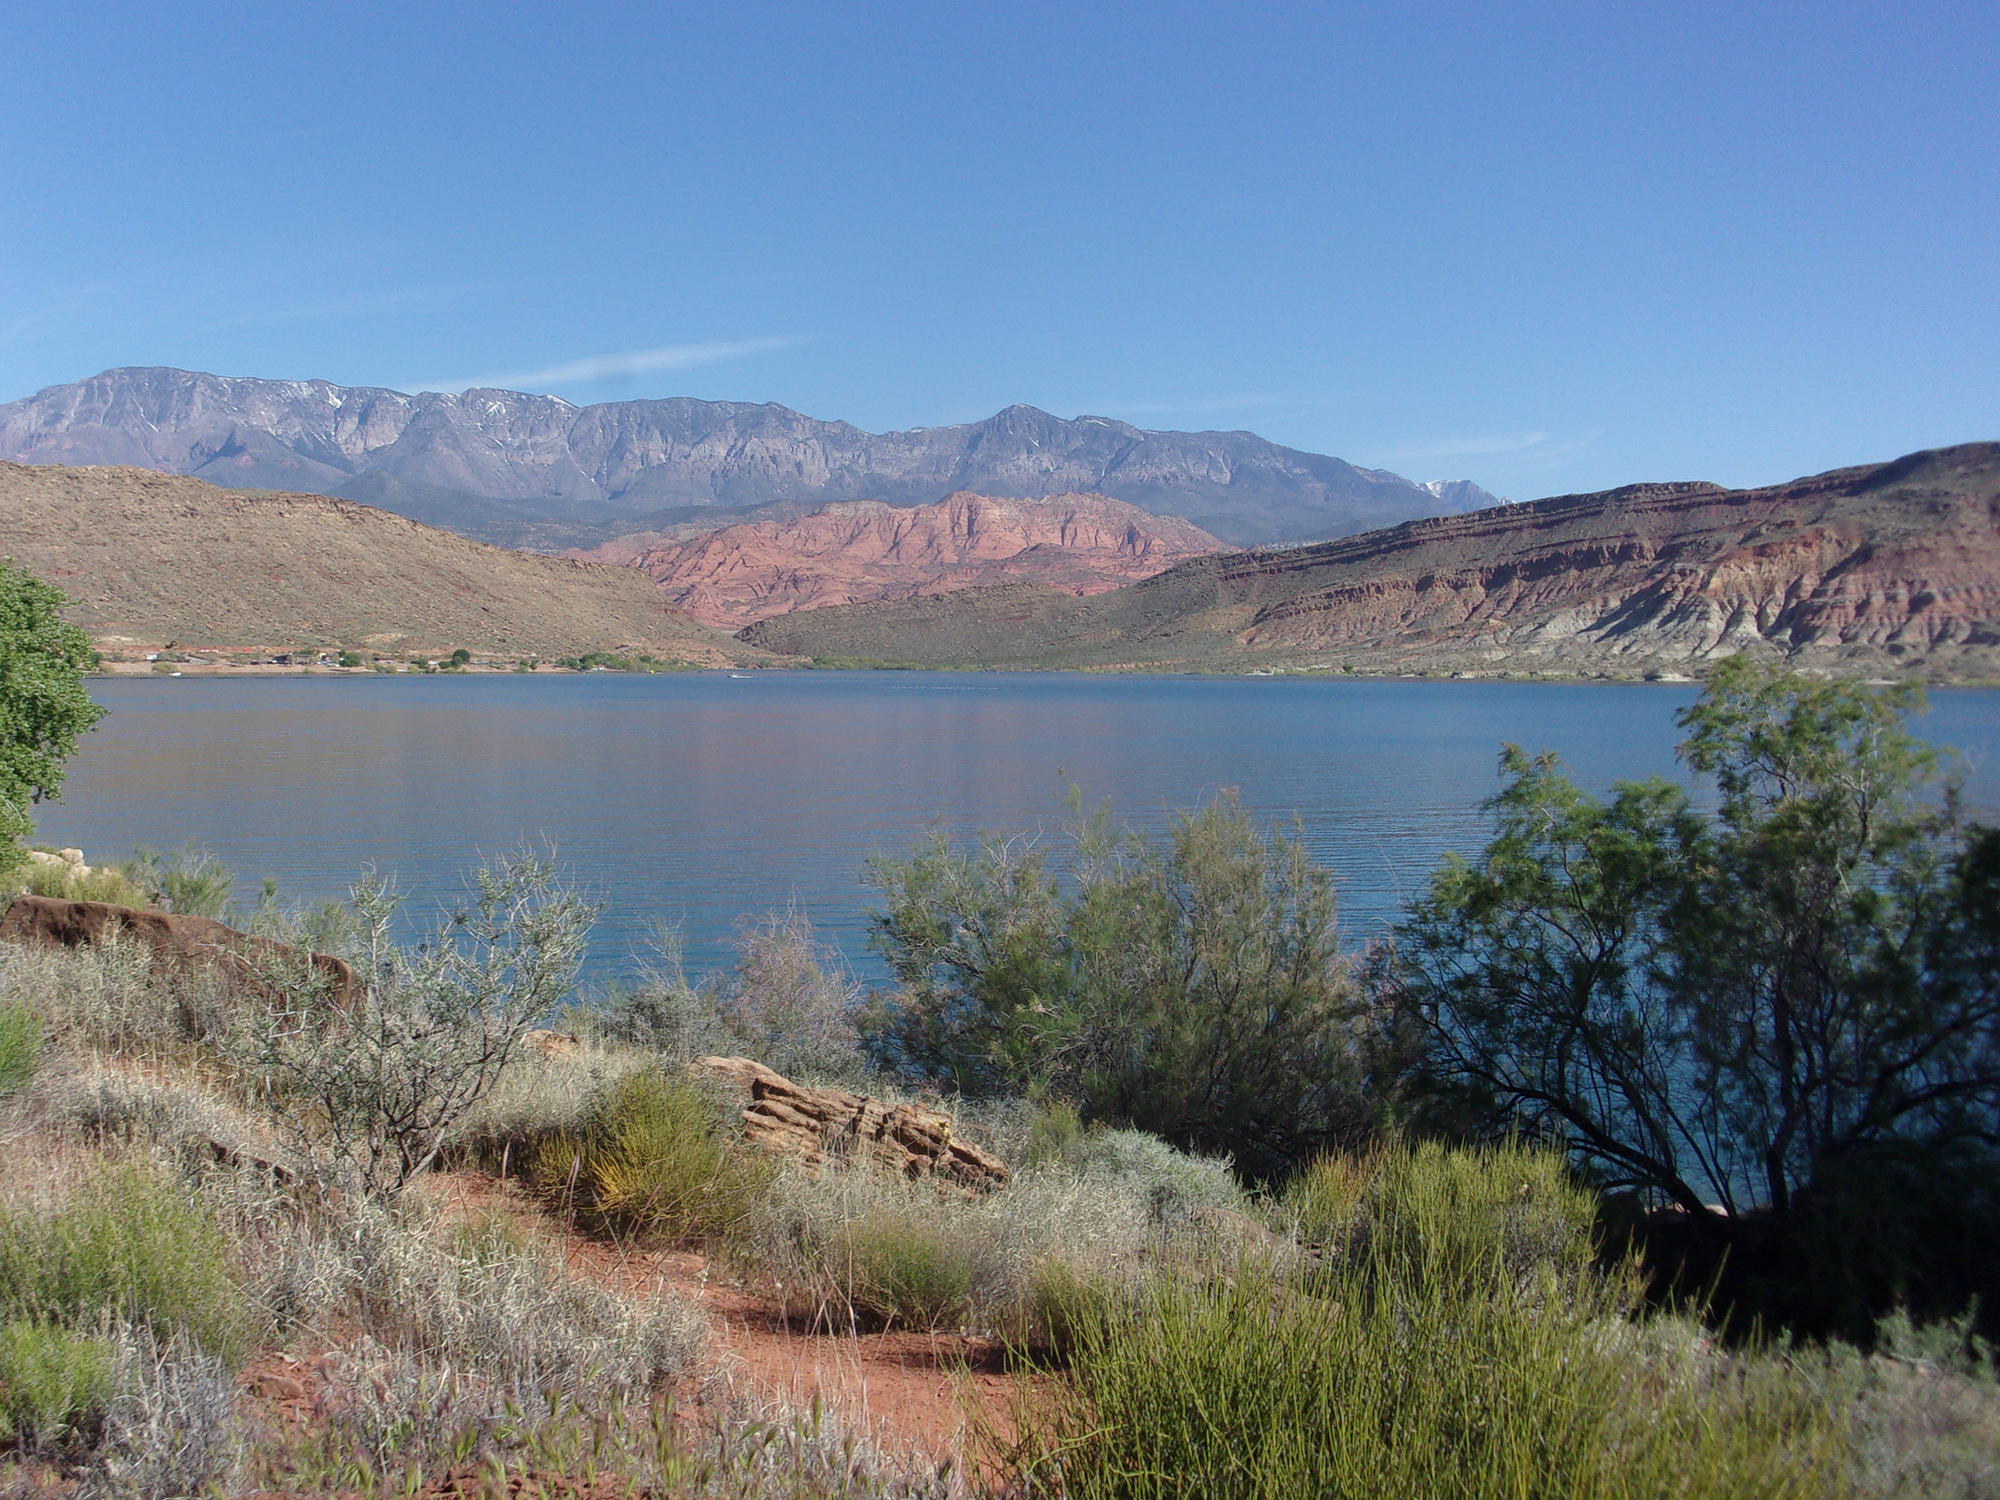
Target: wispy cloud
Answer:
[[602, 368], [1473, 447]]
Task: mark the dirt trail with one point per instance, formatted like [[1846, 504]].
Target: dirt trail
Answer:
[[909, 1391]]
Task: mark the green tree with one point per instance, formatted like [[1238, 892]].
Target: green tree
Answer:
[[44, 705], [1738, 1009], [1192, 987]]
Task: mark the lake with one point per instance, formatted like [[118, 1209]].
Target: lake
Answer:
[[699, 799]]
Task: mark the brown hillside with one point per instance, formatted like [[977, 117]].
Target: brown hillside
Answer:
[[860, 550], [1886, 567], [149, 557]]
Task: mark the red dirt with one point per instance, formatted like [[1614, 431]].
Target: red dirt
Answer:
[[909, 1391]]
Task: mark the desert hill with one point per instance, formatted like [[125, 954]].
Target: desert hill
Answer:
[[536, 471], [1883, 568], [858, 550], [150, 558]]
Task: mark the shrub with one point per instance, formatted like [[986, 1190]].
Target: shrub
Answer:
[[791, 1004], [190, 882], [52, 1381], [20, 1045], [649, 1162], [904, 1269], [1192, 988], [1368, 1385], [129, 1247], [1449, 1212], [63, 883], [376, 1087], [1055, 1136]]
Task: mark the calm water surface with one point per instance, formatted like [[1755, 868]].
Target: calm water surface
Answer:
[[698, 799]]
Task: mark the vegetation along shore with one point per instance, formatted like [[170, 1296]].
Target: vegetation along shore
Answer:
[[1654, 1156]]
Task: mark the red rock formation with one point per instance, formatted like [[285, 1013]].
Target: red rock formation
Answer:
[[187, 941], [859, 550]]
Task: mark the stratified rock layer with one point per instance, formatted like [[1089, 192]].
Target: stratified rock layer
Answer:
[[1889, 567], [864, 549], [817, 1125]]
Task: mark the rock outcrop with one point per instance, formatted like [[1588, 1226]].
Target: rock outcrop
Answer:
[[860, 550], [174, 940], [817, 1125], [1886, 568]]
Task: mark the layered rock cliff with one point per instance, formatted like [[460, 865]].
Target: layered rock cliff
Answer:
[[1884, 568], [861, 550]]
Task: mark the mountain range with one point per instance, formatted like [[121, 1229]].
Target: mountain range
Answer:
[[535, 471], [1886, 569]]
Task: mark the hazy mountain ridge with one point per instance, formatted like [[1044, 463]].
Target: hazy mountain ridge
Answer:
[[1885, 568], [149, 558], [857, 550], [493, 463]]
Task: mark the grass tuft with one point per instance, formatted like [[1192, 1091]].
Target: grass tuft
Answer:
[[649, 1162]]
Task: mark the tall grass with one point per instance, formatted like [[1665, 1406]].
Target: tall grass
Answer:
[[131, 1246], [649, 1161], [1451, 1344], [20, 1045]]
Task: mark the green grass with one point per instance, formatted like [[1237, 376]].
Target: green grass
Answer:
[[904, 1269], [20, 1045], [130, 1246], [1452, 1340], [649, 1162], [51, 1381]]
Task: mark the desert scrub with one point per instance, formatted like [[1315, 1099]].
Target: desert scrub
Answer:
[[852, 1245], [130, 1246], [20, 1045], [649, 1161], [111, 998], [1453, 1212], [52, 1380], [1367, 1384], [374, 1090], [486, 1302]]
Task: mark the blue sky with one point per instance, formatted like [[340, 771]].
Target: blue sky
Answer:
[[1548, 248]]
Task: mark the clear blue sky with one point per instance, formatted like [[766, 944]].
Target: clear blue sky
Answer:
[[1548, 248]]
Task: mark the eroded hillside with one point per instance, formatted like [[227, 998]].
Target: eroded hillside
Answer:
[[862, 550], [149, 558], [1887, 567]]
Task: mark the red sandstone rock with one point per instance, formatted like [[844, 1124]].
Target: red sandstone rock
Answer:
[[174, 939], [858, 550]]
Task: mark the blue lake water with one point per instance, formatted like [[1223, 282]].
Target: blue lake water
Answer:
[[700, 799]]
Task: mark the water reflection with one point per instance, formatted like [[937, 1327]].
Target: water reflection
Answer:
[[699, 799]]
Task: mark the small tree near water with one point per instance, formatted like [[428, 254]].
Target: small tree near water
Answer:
[[374, 1086], [44, 705], [1764, 1009]]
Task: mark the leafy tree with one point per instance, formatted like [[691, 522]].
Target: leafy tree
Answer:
[[1192, 986], [1740, 1009], [44, 705]]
